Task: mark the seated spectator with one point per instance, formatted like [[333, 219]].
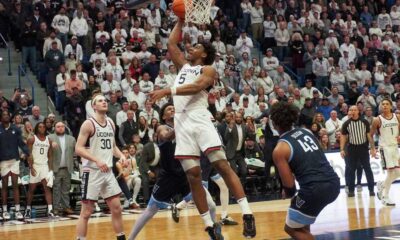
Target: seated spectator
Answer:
[[308, 90], [127, 55], [270, 63], [145, 84], [98, 55], [325, 108], [109, 85], [73, 83], [324, 142], [248, 82], [162, 80], [114, 68], [144, 55], [152, 68], [148, 112], [135, 68]]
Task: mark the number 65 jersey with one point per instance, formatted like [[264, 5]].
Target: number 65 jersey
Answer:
[[101, 144], [307, 159], [189, 74]]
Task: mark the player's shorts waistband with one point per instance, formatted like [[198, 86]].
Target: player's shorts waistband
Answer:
[[186, 110]]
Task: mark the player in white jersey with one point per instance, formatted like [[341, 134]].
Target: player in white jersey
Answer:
[[193, 127], [41, 167], [387, 126], [97, 177]]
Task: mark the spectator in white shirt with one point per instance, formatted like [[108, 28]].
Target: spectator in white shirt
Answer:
[[98, 55], [384, 19], [243, 44], [257, 17], [118, 29], [307, 91], [171, 76], [61, 24], [333, 125], [248, 108], [349, 47], [204, 32], [332, 39], [79, 27], [247, 93], [48, 42], [161, 80], [320, 69], [218, 64], [166, 63], [246, 9], [338, 79], [127, 84], [344, 62], [115, 69], [137, 96], [145, 84], [192, 30], [101, 32], [148, 112], [367, 99], [270, 63], [395, 17], [122, 115], [269, 31], [74, 48], [219, 46], [282, 39], [109, 86], [155, 21], [136, 27], [265, 82], [128, 55]]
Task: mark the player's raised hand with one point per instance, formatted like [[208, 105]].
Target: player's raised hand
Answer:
[[158, 94]]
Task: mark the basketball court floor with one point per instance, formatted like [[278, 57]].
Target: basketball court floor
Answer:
[[358, 218]]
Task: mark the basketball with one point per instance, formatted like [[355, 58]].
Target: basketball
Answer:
[[178, 6]]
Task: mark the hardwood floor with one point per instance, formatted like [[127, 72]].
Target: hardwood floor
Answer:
[[344, 214]]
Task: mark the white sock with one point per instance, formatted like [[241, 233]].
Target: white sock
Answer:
[[81, 238], [17, 207], [211, 205], [4, 208], [49, 207], [183, 204], [390, 177], [148, 214], [223, 196], [28, 207], [207, 219], [244, 205]]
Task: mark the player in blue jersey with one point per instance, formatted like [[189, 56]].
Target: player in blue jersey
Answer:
[[299, 157]]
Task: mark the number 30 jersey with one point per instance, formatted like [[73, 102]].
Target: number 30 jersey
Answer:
[[189, 74], [101, 144], [307, 159]]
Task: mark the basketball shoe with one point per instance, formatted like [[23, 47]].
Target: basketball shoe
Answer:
[[387, 201], [215, 232], [175, 213], [249, 226], [380, 187]]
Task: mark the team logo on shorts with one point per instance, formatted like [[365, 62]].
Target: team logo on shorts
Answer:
[[299, 202]]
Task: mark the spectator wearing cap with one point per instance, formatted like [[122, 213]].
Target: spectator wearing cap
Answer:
[[332, 39], [270, 63], [61, 24], [54, 58], [320, 70], [308, 90], [98, 55], [325, 108], [243, 44], [282, 39], [28, 43], [74, 48], [36, 18]]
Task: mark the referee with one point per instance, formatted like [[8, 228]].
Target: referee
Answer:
[[355, 132]]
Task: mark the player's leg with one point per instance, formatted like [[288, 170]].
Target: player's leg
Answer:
[[29, 197], [49, 198], [4, 195], [224, 198], [219, 162], [114, 205], [14, 180], [84, 216], [299, 233], [390, 159], [151, 210]]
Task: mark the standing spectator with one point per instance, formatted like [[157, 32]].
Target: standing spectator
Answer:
[[355, 133], [257, 16], [63, 166], [10, 141], [74, 48], [282, 79], [235, 136], [53, 59], [71, 83], [367, 99], [337, 79], [297, 50], [28, 43], [333, 126], [270, 62], [246, 9], [269, 30], [384, 19], [79, 27], [282, 39], [320, 69], [61, 25], [243, 44], [61, 78], [110, 85]]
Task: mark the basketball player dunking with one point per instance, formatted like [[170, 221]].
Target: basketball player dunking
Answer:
[[171, 179], [97, 161], [40, 166], [387, 126], [299, 156], [194, 129]]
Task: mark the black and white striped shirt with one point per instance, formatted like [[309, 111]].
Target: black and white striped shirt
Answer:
[[356, 130]]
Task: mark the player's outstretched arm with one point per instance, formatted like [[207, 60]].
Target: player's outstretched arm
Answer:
[[281, 157], [177, 56], [205, 80]]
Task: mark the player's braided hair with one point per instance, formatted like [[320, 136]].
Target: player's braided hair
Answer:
[[284, 115]]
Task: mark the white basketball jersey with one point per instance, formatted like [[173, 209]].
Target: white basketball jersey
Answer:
[[388, 131], [40, 150], [189, 74], [101, 144]]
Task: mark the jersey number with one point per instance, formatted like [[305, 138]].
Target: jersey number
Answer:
[[308, 144], [41, 151], [106, 144], [182, 78]]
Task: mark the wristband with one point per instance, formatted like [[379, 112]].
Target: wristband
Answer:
[[173, 91]]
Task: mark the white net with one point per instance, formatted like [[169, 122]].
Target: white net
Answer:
[[197, 11]]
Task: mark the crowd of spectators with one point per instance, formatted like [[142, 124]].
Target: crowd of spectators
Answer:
[[343, 53]]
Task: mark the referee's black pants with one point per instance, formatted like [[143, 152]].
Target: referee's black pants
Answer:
[[359, 154]]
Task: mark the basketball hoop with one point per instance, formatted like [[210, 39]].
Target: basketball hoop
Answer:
[[197, 11]]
